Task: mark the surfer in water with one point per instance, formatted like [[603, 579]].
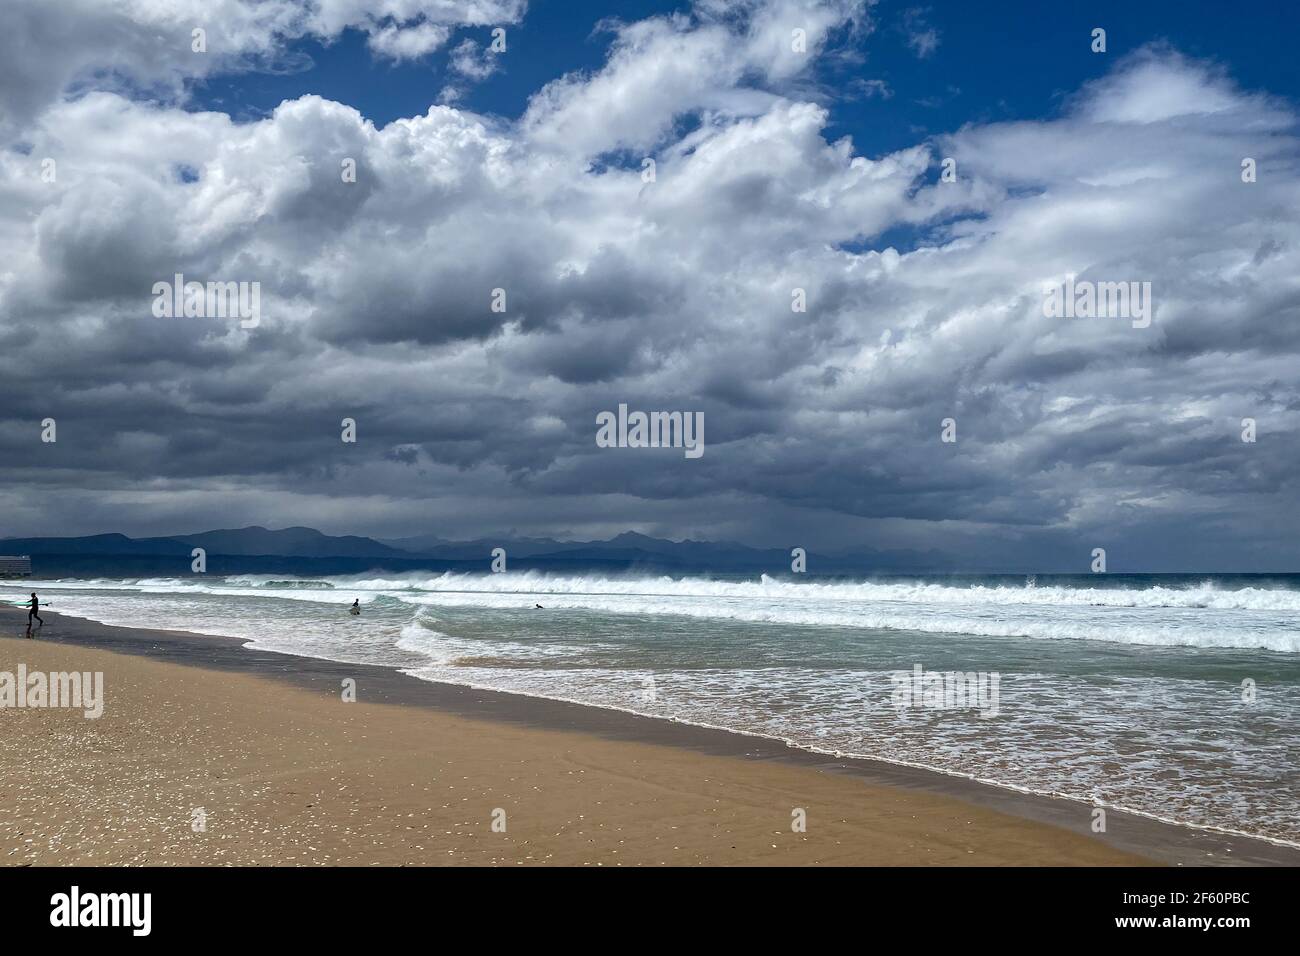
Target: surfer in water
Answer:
[[356, 607]]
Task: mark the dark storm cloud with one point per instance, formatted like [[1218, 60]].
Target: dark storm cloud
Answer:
[[821, 426]]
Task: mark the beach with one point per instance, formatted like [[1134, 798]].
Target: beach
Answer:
[[208, 753], [1172, 697]]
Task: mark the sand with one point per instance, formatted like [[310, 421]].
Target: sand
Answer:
[[282, 774]]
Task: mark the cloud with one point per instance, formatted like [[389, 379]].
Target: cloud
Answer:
[[673, 293], [410, 42], [470, 61], [922, 38], [49, 49], [662, 68]]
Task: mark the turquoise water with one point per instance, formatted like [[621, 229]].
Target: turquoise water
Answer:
[[1173, 696]]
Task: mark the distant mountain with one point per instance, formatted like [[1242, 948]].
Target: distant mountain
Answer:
[[290, 542], [416, 543], [432, 546], [638, 550], [257, 549], [297, 542], [93, 544]]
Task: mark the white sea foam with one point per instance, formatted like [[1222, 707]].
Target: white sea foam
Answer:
[[1204, 615]]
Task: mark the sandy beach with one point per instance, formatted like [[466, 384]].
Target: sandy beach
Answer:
[[279, 769]]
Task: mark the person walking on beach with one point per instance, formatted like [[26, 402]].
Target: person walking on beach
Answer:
[[33, 606]]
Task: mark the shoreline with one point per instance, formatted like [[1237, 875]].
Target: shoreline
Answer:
[[1132, 838]]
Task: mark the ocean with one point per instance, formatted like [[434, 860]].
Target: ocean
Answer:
[[1172, 696]]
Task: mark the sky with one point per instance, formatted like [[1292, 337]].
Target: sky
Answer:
[[464, 251]]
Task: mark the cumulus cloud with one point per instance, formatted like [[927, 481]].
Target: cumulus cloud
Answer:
[[47, 49], [670, 293], [409, 42]]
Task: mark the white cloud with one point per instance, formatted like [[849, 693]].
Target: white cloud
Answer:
[[409, 43], [468, 60], [674, 293], [47, 48]]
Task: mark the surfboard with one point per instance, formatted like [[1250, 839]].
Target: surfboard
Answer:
[[354, 610]]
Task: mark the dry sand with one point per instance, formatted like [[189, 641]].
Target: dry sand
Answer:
[[293, 775]]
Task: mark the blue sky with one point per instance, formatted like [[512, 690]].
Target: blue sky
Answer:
[[1005, 61]]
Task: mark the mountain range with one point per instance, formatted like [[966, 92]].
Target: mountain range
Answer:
[[308, 551]]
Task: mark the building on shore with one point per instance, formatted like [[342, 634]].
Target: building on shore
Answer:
[[15, 566]]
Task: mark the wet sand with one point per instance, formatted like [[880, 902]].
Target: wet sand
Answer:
[[263, 751]]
